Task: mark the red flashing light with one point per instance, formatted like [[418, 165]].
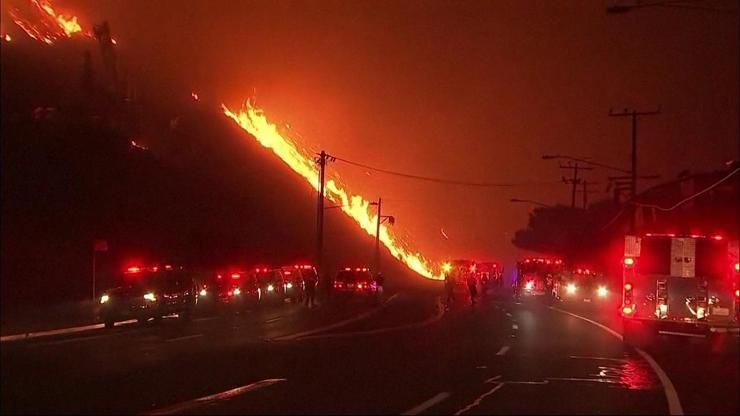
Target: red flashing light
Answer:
[[627, 310], [168, 267], [219, 276], [133, 269], [717, 237], [154, 268], [737, 267], [235, 275], [628, 286], [629, 261], [737, 293], [287, 273], [548, 261]]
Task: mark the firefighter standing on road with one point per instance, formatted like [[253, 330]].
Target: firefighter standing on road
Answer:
[[473, 288], [309, 284]]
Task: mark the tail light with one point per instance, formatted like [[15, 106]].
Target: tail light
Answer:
[[628, 306], [737, 293], [235, 275], [627, 287], [737, 267], [629, 261], [627, 310]]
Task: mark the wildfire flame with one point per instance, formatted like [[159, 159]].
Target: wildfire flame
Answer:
[[254, 121], [68, 25], [47, 25]]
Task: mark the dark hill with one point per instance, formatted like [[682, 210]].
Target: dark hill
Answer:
[[202, 194]]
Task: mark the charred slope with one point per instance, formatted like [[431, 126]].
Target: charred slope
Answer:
[[202, 193]]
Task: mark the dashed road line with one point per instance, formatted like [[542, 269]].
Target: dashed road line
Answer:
[[503, 350], [433, 401], [62, 331], [185, 337], [514, 326], [189, 405], [478, 401]]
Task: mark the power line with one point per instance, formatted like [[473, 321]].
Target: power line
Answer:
[[685, 200], [443, 180]]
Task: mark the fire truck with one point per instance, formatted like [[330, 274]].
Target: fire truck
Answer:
[[679, 285], [538, 277], [583, 283]]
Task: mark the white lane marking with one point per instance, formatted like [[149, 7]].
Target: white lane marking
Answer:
[[434, 318], [503, 350], [514, 326], [62, 331], [604, 327], [271, 320], [674, 404], [224, 395], [481, 367], [492, 379], [185, 337], [478, 401], [581, 357], [682, 334], [334, 325], [508, 314], [440, 397], [209, 318], [71, 340]]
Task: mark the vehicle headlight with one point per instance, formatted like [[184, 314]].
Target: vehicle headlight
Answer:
[[270, 288], [104, 298], [150, 297], [289, 285], [529, 285], [203, 292], [237, 291], [601, 291], [571, 288]]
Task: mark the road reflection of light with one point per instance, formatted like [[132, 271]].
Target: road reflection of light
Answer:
[[631, 373]]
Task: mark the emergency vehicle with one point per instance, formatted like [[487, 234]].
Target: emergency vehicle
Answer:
[[538, 277], [679, 285], [584, 284]]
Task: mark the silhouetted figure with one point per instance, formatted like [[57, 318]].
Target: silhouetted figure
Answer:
[[309, 286], [472, 288]]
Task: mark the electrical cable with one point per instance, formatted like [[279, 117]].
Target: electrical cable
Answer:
[[443, 180]]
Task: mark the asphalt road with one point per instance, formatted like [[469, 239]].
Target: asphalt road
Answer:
[[407, 356]]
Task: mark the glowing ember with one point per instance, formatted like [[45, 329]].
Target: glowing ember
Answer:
[[253, 120]]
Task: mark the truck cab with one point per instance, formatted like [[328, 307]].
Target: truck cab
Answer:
[[679, 285]]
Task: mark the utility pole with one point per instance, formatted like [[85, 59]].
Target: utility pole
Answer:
[[377, 236], [574, 181], [633, 114], [321, 161], [633, 183], [585, 192], [381, 219]]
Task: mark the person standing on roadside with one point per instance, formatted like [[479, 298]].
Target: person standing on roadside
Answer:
[[309, 285], [473, 288]]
